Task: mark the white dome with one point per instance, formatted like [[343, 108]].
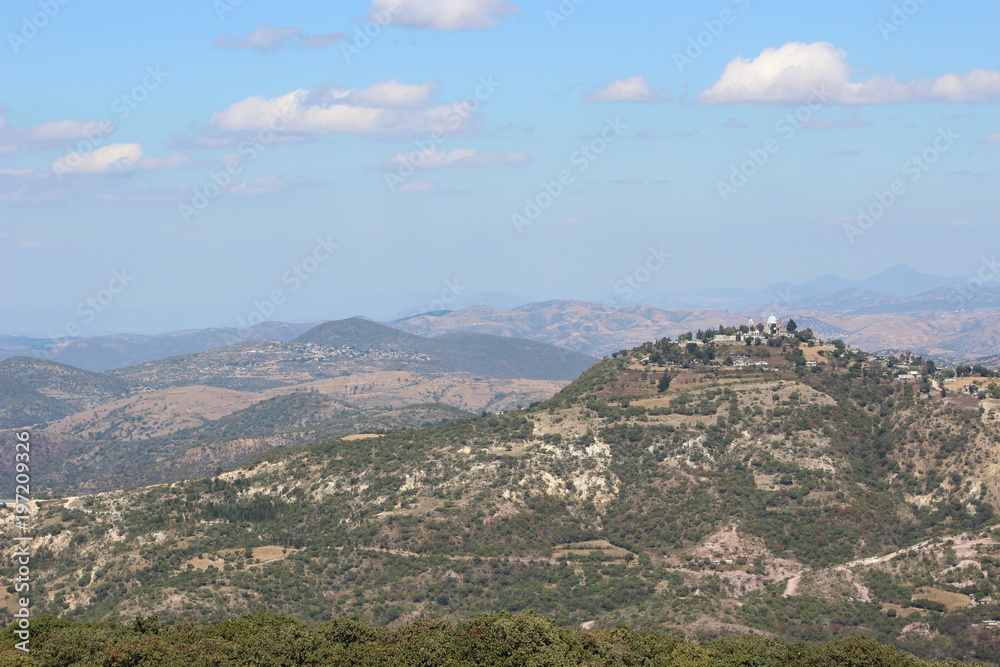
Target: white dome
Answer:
[[772, 320]]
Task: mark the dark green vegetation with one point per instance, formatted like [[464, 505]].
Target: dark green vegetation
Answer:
[[737, 498], [493, 640], [34, 391]]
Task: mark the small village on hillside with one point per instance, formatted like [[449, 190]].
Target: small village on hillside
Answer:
[[737, 347]]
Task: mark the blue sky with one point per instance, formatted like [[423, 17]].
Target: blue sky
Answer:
[[234, 160]]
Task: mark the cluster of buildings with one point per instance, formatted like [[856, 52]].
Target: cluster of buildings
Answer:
[[740, 360], [753, 330]]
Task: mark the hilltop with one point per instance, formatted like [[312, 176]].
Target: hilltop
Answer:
[[35, 391], [721, 484], [476, 353]]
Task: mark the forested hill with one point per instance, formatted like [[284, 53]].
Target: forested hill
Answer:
[[788, 487], [494, 640]]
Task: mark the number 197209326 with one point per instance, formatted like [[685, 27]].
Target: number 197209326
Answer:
[[22, 460]]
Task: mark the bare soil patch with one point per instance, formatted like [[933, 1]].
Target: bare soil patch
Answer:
[[952, 601]]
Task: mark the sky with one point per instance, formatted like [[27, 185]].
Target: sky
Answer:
[[217, 162]]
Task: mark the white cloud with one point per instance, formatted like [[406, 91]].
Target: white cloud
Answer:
[[386, 108], [52, 134], [267, 38], [631, 89], [388, 93], [796, 73], [444, 14], [116, 159], [991, 138], [61, 130], [458, 158]]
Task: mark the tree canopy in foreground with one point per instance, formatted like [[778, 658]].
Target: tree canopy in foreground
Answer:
[[493, 640]]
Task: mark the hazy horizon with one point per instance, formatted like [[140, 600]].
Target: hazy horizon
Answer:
[[194, 163], [785, 301]]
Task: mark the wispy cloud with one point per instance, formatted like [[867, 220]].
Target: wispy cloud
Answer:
[[632, 89], [267, 38], [53, 134], [796, 72], [387, 109], [458, 158], [444, 14], [116, 159]]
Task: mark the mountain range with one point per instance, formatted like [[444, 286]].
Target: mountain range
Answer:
[[950, 319], [789, 488], [597, 329], [190, 415], [898, 281]]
